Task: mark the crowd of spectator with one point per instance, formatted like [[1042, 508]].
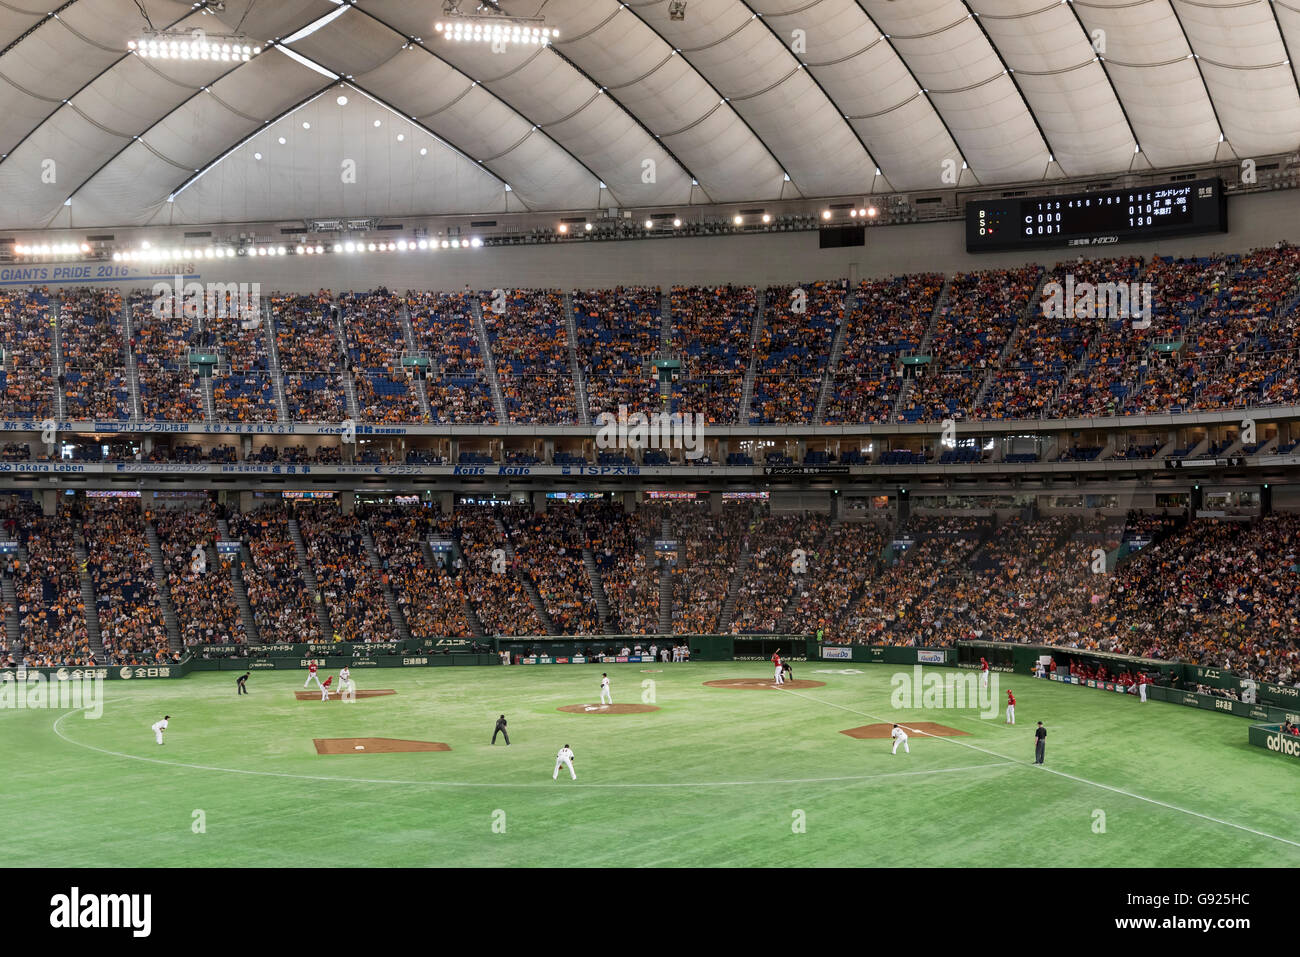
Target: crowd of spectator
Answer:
[[131, 624], [25, 380], [161, 336], [51, 612], [198, 579], [456, 384], [889, 321], [282, 609], [530, 345], [93, 374], [794, 344], [548, 550], [352, 589], [429, 597], [490, 582], [714, 326], [619, 332], [375, 339]]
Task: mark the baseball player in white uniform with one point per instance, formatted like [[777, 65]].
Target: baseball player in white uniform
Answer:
[[346, 687], [159, 727], [900, 737], [605, 696], [565, 757]]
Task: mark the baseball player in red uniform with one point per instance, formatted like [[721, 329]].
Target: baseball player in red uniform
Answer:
[[1011, 707], [776, 664], [311, 675], [325, 688], [984, 673], [1142, 685]]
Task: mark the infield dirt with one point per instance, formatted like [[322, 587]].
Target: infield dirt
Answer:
[[608, 708], [761, 683], [375, 746], [923, 728]]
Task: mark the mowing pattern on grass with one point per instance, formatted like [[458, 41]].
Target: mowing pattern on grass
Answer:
[[375, 746], [916, 727], [608, 708]]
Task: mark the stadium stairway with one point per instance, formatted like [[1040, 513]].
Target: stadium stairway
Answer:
[[164, 589], [728, 613], [238, 584], [412, 348], [665, 584], [56, 328], [579, 381], [93, 634], [132, 372], [783, 621], [273, 362], [476, 628], [525, 579], [833, 360], [598, 591], [747, 389], [241, 595], [665, 323], [349, 383], [400, 625], [309, 579], [209, 400], [12, 632], [489, 364], [940, 307], [1026, 315]]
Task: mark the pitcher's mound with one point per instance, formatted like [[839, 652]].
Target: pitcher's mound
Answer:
[[760, 683], [922, 728], [336, 696], [609, 708], [374, 746]]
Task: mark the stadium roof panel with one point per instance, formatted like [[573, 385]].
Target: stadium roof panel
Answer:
[[736, 96]]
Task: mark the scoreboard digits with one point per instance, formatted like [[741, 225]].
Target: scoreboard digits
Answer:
[[1102, 218]]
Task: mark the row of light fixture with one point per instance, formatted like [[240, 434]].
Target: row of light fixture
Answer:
[[179, 47], [51, 249], [866, 212], [148, 253], [496, 32]]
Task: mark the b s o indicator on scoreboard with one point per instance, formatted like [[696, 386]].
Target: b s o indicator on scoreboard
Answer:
[[1098, 218]]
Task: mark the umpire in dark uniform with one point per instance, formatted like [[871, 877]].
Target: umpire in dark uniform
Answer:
[[242, 683], [501, 730], [1040, 743]]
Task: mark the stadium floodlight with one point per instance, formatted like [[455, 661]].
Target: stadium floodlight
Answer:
[[491, 25], [197, 45]]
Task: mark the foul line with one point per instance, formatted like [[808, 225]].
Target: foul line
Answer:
[[475, 784], [1096, 784]]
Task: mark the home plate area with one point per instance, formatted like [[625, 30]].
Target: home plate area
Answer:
[[761, 683], [375, 746], [608, 708], [923, 728], [338, 695]]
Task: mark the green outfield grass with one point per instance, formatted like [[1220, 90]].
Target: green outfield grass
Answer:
[[713, 778]]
